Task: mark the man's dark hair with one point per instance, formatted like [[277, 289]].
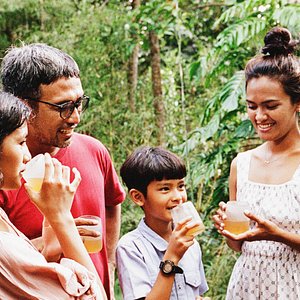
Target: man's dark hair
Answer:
[[25, 68]]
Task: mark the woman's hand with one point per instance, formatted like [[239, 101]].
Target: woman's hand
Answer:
[[219, 217], [264, 230], [57, 193]]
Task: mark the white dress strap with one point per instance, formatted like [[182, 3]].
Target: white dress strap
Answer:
[[243, 165]]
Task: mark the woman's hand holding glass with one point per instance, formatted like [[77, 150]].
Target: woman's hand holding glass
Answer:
[[264, 229], [57, 192]]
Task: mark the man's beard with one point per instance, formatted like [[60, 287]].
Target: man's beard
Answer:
[[63, 144]]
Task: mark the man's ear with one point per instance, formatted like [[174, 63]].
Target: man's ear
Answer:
[[137, 197]]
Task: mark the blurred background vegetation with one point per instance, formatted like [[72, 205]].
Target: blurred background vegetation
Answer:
[[162, 72]]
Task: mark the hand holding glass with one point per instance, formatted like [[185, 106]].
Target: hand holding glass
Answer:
[[185, 210], [34, 172], [236, 222], [93, 244]]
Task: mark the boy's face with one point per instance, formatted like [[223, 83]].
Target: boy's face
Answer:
[[162, 196]]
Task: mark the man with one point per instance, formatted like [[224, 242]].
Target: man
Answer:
[[48, 80]]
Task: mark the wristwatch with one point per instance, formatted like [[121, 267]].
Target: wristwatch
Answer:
[[168, 267]]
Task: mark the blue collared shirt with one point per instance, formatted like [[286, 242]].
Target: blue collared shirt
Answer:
[[139, 254]]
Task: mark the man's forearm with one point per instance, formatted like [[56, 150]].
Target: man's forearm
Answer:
[[113, 223]]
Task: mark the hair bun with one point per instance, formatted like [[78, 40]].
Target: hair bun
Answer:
[[278, 41]]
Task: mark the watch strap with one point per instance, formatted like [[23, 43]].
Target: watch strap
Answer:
[[174, 269], [177, 269]]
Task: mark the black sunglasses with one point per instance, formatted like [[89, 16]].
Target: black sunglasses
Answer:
[[66, 109]]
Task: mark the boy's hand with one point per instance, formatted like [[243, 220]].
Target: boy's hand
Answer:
[[179, 241]]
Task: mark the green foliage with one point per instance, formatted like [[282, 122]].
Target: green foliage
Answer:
[[204, 47]]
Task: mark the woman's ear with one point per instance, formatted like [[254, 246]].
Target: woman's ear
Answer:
[[137, 197]]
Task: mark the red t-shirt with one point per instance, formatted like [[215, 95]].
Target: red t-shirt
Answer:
[[99, 187]]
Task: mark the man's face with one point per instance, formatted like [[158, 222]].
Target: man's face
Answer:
[[47, 130]]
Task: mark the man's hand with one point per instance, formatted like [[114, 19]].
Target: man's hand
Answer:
[[84, 231]]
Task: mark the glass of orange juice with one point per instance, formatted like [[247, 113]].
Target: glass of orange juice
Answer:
[[34, 172], [93, 244], [236, 222], [184, 210]]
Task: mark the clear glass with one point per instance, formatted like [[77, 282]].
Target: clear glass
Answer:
[[184, 210], [236, 222], [34, 172], [91, 243]]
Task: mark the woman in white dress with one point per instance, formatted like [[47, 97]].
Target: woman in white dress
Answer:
[[268, 178], [24, 271]]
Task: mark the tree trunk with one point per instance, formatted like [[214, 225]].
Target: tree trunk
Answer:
[[133, 76], [133, 69], [157, 88]]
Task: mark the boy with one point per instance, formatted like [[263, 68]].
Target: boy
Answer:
[[155, 261]]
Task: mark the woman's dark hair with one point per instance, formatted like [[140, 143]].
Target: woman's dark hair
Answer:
[[278, 62], [13, 114], [147, 164]]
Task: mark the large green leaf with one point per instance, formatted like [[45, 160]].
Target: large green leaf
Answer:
[[289, 16], [232, 91]]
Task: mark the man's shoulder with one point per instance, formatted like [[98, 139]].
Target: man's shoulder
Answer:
[[85, 143], [79, 138]]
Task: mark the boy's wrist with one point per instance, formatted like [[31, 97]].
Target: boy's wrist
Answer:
[[173, 257], [168, 267]]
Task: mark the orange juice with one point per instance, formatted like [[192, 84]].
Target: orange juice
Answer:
[[196, 230], [35, 183], [93, 244], [236, 227]]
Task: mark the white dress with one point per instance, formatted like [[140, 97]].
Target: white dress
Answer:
[[267, 270]]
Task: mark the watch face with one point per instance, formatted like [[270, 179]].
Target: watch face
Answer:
[[168, 267]]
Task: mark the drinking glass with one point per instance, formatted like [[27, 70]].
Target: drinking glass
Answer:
[[236, 222], [184, 210], [93, 244], [34, 172]]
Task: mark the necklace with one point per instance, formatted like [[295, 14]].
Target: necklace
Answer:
[[267, 161]]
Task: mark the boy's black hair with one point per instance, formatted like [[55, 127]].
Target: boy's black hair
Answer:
[[147, 164]]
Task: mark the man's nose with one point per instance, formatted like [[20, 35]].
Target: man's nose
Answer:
[[75, 116]]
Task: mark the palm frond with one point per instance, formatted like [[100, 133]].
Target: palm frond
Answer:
[[219, 106], [239, 33], [227, 42], [288, 16], [233, 91], [239, 11]]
